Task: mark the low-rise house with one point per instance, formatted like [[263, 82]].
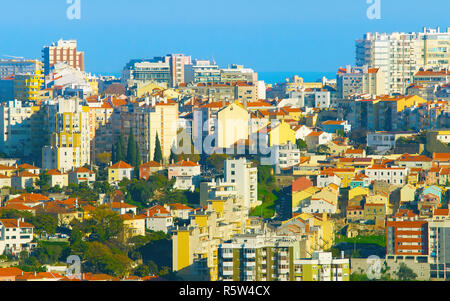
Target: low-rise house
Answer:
[[30, 168], [158, 218], [5, 181], [407, 194], [355, 213], [42, 276], [441, 159], [28, 199], [7, 170], [414, 161], [134, 224], [314, 139], [180, 211], [355, 153], [374, 211], [149, 168], [15, 236], [81, 175], [119, 171], [186, 174], [24, 179], [360, 180], [326, 178], [58, 178], [10, 274], [123, 208], [432, 176], [392, 175], [319, 205], [334, 126]]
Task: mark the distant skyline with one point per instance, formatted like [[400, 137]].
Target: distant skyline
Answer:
[[283, 36]]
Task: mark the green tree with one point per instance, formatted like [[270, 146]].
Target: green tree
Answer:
[[217, 161], [405, 273], [301, 144], [138, 161], [44, 181], [323, 149], [157, 156], [173, 157], [131, 149], [119, 150], [142, 270], [99, 258], [44, 222]]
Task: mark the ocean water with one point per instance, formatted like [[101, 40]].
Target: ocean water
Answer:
[[277, 77]]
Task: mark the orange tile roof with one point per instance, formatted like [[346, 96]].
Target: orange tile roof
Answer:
[[185, 164], [121, 165], [27, 174], [117, 205], [179, 206], [12, 223], [82, 170], [27, 166], [151, 164], [12, 271]]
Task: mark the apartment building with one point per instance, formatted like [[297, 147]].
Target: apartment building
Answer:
[[288, 156], [322, 267], [407, 235], [392, 175], [438, 239], [186, 174], [17, 129], [18, 66], [63, 51], [15, 236], [156, 70], [360, 80], [258, 257], [195, 247], [241, 172], [148, 118], [28, 85], [202, 71], [69, 129], [237, 73], [401, 55]]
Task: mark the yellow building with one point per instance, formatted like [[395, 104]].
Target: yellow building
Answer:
[[232, 125], [134, 225], [357, 191], [70, 140], [345, 174], [281, 134], [322, 267], [300, 196], [27, 86]]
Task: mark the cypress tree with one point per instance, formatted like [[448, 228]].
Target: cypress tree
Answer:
[[131, 149], [120, 149], [138, 161], [157, 156], [173, 157]]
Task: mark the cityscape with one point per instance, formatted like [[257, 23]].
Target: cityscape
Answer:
[[184, 168]]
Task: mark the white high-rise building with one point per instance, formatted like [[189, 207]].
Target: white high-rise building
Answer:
[[70, 135], [241, 172], [401, 55]]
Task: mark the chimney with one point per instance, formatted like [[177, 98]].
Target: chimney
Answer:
[[342, 254], [349, 69]]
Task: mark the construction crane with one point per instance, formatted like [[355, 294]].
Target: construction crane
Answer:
[[14, 57]]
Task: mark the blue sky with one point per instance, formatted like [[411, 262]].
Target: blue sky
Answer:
[[275, 35]]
